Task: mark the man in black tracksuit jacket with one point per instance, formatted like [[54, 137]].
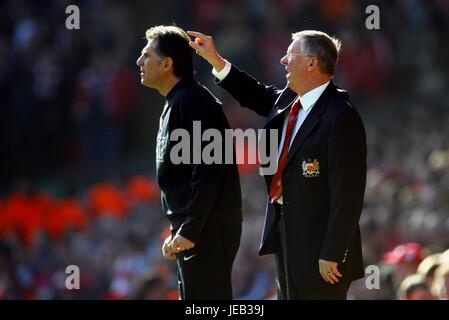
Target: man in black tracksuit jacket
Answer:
[[201, 201]]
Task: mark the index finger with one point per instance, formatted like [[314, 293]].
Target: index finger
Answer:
[[336, 272], [197, 34]]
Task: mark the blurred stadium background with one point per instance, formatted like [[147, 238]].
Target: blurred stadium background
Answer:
[[78, 138]]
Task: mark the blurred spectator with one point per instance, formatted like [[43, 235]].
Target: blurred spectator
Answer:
[[441, 283], [149, 286], [406, 259], [414, 287], [428, 267]]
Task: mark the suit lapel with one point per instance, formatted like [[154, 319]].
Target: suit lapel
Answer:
[[283, 103], [310, 122]]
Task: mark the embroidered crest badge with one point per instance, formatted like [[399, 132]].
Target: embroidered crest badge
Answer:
[[310, 168]]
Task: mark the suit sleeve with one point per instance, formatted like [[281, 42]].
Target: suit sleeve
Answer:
[[206, 179], [249, 92], [347, 179]]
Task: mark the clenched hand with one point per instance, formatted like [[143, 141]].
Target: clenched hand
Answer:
[[179, 243]]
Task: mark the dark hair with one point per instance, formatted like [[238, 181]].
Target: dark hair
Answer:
[[173, 42]]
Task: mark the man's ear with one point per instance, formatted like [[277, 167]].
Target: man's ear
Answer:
[[313, 63], [167, 64]]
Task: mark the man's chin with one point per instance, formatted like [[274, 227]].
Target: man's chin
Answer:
[[142, 81]]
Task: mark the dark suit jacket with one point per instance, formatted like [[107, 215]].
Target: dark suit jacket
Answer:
[[322, 208]]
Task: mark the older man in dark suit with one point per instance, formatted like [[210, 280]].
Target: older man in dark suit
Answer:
[[316, 195]]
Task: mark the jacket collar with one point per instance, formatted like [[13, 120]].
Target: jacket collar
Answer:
[[311, 121]]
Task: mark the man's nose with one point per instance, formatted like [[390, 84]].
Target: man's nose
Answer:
[[284, 60], [138, 62]]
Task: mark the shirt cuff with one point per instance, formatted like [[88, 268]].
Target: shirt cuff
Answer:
[[224, 72]]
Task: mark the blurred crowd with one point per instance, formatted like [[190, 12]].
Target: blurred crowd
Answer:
[[77, 140]]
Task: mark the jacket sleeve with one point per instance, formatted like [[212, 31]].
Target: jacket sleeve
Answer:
[[347, 179], [206, 179], [249, 92]]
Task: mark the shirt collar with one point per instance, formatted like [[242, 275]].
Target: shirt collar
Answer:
[[182, 82], [309, 99]]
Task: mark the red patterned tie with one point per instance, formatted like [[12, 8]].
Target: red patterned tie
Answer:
[[276, 183]]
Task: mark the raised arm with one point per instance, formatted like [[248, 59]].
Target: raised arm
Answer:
[[249, 92]]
